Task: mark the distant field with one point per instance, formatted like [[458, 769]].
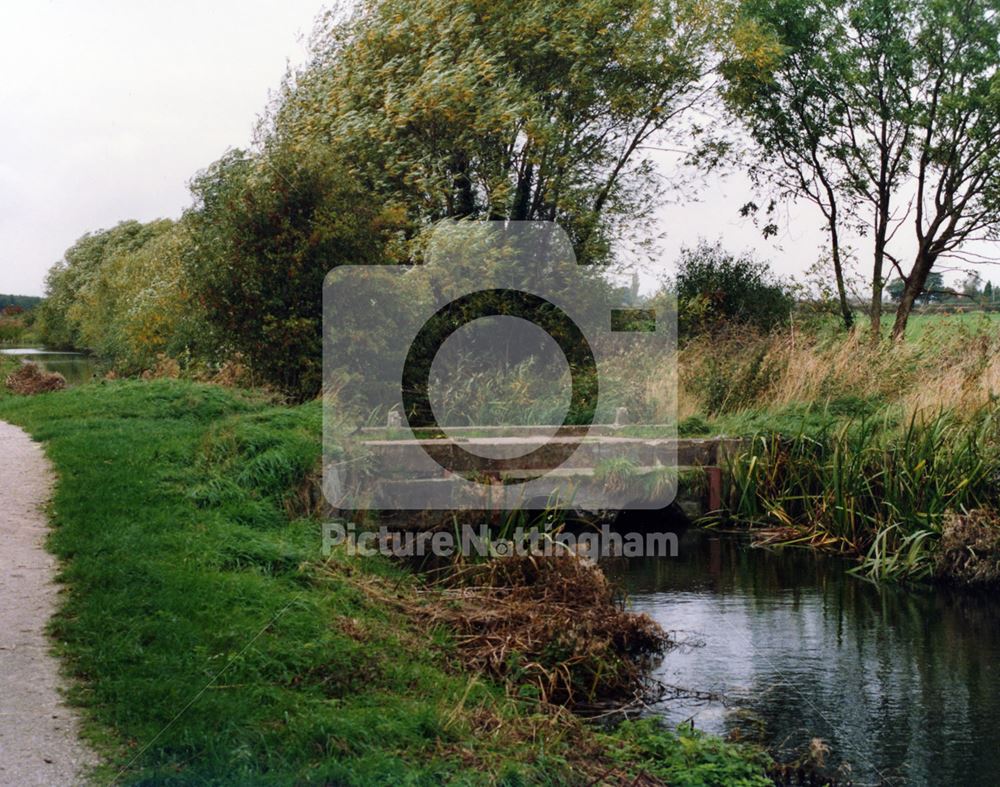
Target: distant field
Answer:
[[921, 324]]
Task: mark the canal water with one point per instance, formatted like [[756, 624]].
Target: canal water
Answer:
[[77, 368], [786, 646]]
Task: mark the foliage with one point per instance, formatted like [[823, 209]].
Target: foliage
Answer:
[[717, 289], [933, 288], [268, 229], [12, 327], [406, 115], [63, 314], [122, 293], [887, 109], [534, 110]]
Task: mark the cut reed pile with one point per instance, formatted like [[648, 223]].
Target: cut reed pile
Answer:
[[29, 379], [969, 552], [554, 624], [550, 627]]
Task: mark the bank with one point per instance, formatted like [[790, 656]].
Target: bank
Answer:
[[207, 640]]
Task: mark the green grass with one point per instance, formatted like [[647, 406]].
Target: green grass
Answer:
[[209, 645], [920, 326]]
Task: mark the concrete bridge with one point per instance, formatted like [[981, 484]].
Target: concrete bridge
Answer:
[[598, 468]]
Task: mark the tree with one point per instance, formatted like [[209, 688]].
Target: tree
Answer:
[[972, 286], [535, 110], [911, 117], [778, 80], [958, 117], [895, 288], [716, 288], [80, 297], [934, 290], [267, 231], [24, 302]]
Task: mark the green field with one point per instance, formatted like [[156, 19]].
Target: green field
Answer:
[[929, 323]]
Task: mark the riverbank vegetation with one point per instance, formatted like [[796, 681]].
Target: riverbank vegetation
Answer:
[[17, 318], [859, 449]]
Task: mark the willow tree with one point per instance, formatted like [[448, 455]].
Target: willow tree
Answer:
[[536, 110], [885, 113]]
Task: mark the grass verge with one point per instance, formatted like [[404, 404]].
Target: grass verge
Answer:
[[210, 644]]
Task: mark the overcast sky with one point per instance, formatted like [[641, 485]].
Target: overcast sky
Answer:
[[109, 107]]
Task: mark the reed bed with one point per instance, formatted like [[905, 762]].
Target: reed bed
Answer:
[[868, 490]]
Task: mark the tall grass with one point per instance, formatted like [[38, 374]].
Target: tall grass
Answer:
[[955, 366], [867, 489]]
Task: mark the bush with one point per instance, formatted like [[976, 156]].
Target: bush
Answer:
[[268, 231], [716, 289]]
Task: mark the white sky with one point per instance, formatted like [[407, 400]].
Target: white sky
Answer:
[[109, 107]]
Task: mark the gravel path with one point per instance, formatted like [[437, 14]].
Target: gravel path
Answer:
[[38, 733]]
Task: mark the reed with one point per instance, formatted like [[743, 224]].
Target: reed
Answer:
[[866, 489]]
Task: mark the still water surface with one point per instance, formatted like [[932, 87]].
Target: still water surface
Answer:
[[77, 368], [904, 685]]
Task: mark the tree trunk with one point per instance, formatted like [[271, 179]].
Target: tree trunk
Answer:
[[915, 283], [464, 198], [838, 271], [876, 308], [522, 193], [878, 286]]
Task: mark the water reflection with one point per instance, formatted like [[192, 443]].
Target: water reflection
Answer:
[[77, 368], [904, 685]]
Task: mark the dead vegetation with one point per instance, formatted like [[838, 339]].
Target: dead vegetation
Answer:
[[552, 623], [551, 627], [29, 380], [969, 552]]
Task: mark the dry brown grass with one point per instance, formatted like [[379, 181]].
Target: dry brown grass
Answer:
[[166, 368], [750, 371], [29, 379]]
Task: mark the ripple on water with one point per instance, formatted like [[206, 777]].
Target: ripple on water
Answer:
[[901, 683]]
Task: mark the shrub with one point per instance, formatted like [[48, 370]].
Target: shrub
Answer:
[[716, 288], [268, 231]]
